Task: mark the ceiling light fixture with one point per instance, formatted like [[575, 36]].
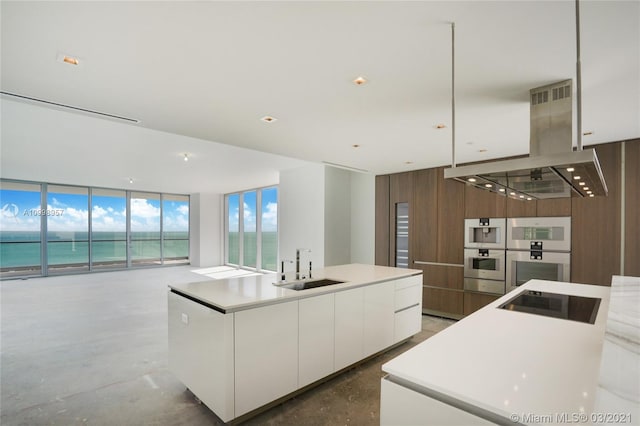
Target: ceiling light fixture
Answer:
[[408, 162], [359, 81], [483, 150], [577, 178], [68, 59], [589, 133], [130, 180], [440, 126], [586, 188], [471, 179], [570, 169], [502, 190], [186, 157], [488, 185], [268, 119], [355, 145]]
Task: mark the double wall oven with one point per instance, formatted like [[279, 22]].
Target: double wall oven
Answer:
[[484, 255], [538, 247]]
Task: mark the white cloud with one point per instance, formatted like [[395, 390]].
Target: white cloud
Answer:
[[142, 208], [183, 209], [270, 218]]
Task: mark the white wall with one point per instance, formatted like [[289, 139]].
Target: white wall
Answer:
[[330, 211], [363, 218], [301, 213], [337, 219], [206, 229]]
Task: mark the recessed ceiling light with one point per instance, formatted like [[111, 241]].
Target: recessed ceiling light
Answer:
[[522, 196], [408, 162], [355, 145], [502, 190], [130, 180], [589, 133], [359, 81], [512, 194], [586, 188], [529, 198], [483, 150], [471, 180], [268, 119], [589, 192], [68, 59], [576, 177], [440, 126], [581, 183], [591, 195], [488, 185], [186, 156], [570, 169]]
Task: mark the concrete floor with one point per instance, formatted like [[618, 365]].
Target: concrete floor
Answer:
[[92, 349]]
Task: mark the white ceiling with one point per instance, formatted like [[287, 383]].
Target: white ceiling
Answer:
[[211, 70]]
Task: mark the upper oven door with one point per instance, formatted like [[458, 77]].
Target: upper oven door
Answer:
[[485, 233], [539, 233], [484, 263]]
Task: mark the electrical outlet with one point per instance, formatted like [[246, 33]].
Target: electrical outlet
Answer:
[[185, 318]]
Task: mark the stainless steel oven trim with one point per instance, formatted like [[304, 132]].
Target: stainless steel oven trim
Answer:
[[543, 222], [484, 286], [498, 222], [513, 256], [470, 272]]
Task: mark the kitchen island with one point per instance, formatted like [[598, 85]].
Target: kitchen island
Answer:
[[502, 366], [244, 343]]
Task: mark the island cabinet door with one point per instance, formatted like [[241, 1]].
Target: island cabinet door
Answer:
[[378, 317], [266, 355], [201, 352], [317, 334], [349, 327]]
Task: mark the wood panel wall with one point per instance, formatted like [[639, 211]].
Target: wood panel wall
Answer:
[[382, 221], [632, 210], [595, 225]]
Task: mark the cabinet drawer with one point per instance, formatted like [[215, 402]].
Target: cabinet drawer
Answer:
[[408, 296], [408, 323], [408, 282]]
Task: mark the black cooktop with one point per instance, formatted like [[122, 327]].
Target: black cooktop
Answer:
[[564, 306]]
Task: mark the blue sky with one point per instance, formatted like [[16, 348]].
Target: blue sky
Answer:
[[108, 213], [269, 206]]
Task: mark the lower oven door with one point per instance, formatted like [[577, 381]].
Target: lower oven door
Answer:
[[484, 264], [522, 266]]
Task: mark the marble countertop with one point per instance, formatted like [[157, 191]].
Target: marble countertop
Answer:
[[234, 294], [517, 366], [618, 389]]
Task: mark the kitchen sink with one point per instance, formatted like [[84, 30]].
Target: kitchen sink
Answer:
[[305, 285]]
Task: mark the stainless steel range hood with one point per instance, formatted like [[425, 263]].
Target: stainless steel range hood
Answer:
[[553, 169]]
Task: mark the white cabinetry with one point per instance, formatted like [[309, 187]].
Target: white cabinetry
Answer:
[[266, 355], [378, 317], [317, 334], [408, 307], [349, 327], [400, 406], [201, 353]]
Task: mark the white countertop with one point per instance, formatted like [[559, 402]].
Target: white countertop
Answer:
[[240, 293], [619, 381], [513, 363]]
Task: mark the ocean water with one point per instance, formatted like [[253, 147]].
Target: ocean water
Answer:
[[22, 249], [269, 249]]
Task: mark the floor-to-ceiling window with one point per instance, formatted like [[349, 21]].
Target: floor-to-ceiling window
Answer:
[[55, 229], [145, 228], [251, 239], [269, 228], [20, 229], [175, 228], [108, 228], [233, 229], [67, 216]]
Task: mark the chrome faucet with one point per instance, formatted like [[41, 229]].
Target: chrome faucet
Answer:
[[283, 276], [298, 251]]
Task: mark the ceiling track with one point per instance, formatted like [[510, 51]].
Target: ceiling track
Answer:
[[74, 108]]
